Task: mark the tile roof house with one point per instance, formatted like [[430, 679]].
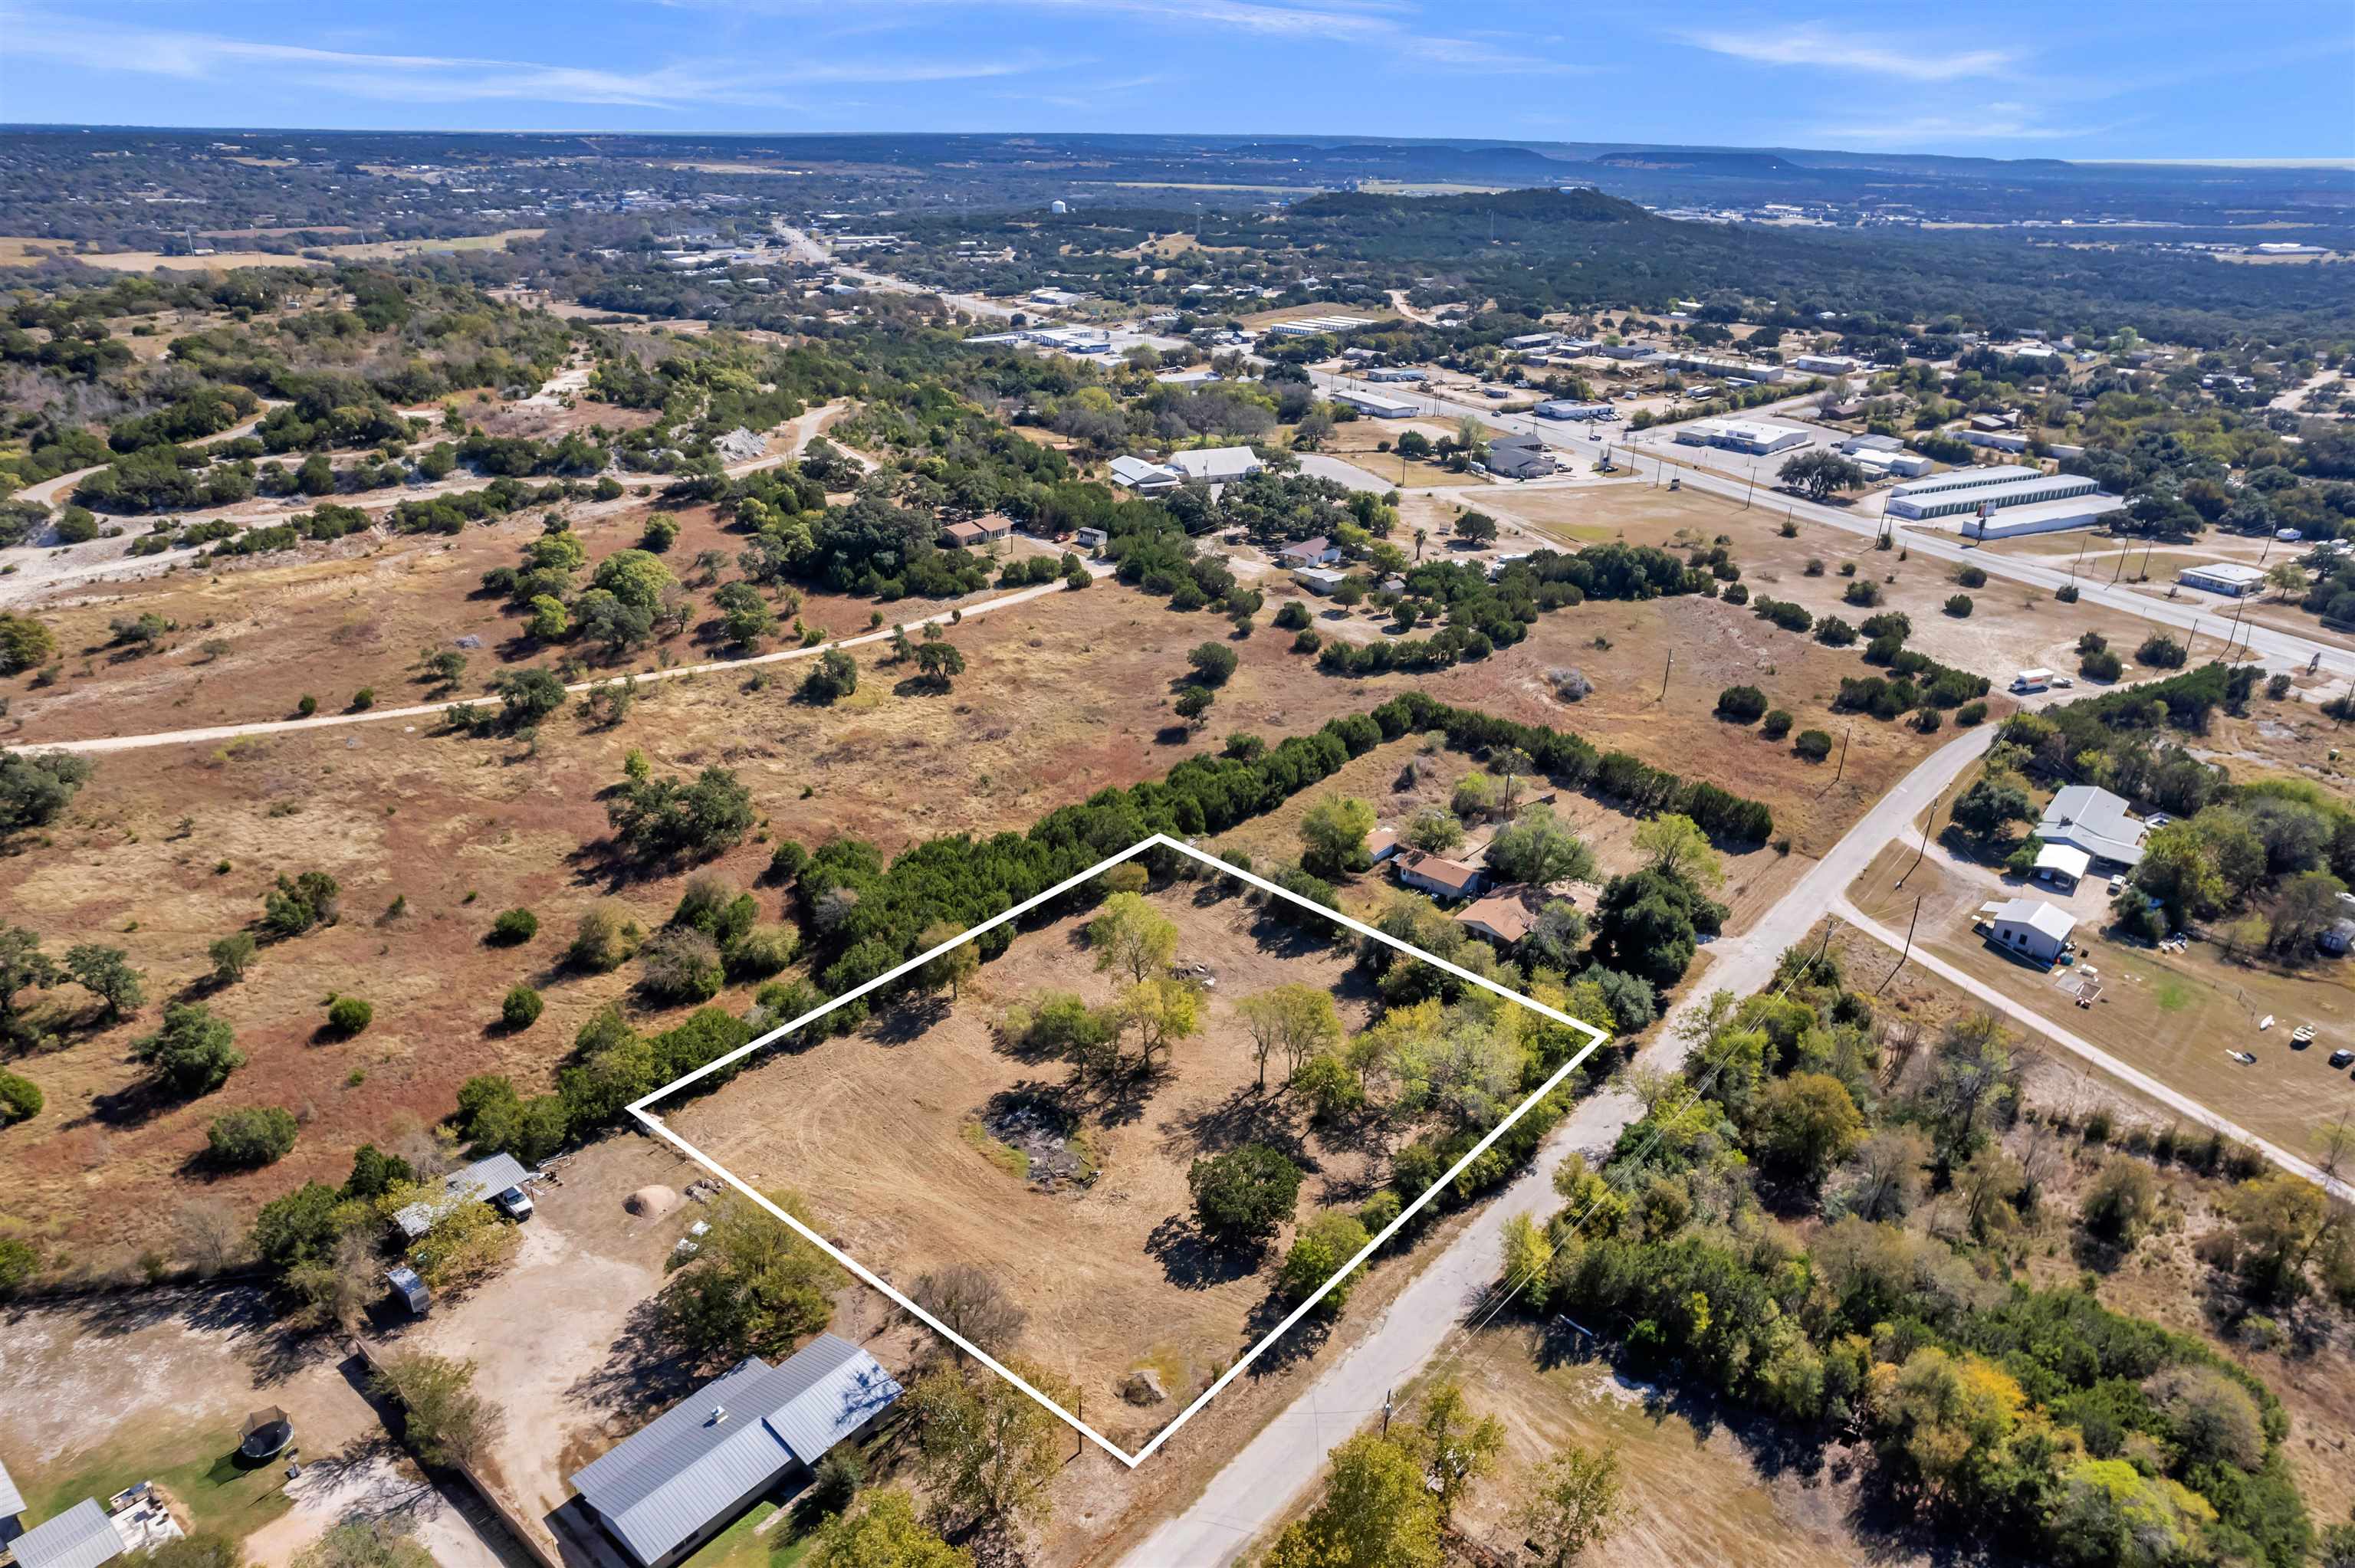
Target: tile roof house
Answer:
[[666, 1489], [980, 530], [82, 1537], [2094, 821], [1504, 915], [1441, 877]]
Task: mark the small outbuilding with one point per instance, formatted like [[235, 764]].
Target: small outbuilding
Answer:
[[478, 1182], [2033, 930]]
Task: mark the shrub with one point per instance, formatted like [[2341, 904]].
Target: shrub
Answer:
[[2102, 664], [514, 926], [762, 951], [521, 1009], [1292, 616], [1971, 578], [1784, 613], [2066, 593], [363, 699], [1776, 726], [20, 1098], [680, 964], [1834, 632], [250, 1136], [1245, 1193], [349, 1015], [1864, 593], [1970, 714], [1307, 641], [1813, 744], [1741, 703], [2161, 651], [785, 862], [605, 939], [307, 706], [1736, 593], [1214, 663], [1958, 604]]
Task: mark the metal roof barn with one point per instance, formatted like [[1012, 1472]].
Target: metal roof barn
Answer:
[[478, 1181]]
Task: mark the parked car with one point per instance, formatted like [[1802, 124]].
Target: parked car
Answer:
[[514, 1203], [2118, 882], [2341, 1057]]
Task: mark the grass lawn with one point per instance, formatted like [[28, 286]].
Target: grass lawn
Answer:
[[199, 1468], [745, 1544]]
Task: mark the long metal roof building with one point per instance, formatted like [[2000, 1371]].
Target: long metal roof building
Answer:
[[480, 1180], [697, 1465]]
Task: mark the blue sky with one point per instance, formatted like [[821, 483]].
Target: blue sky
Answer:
[[2091, 79]]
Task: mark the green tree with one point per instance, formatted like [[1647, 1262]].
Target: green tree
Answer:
[[231, 955], [985, 1447], [833, 674], [23, 968], [1244, 1194], [1214, 663], [1537, 847], [755, 1288], [884, 1532], [35, 786], [1572, 1502], [1819, 471], [1317, 1253], [368, 1543], [1376, 1512], [951, 968], [193, 1053], [1299, 1021], [1456, 1446], [349, 1015], [106, 973], [1333, 836], [1675, 846], [1194, 704], [938, 664], [448, 1422], [1807, 1124], [1131, 938]]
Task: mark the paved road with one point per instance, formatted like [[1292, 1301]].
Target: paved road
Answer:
[[429, 710], [2278, 649]]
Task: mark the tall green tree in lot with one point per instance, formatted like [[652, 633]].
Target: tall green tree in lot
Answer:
[[1458, 1444], [1131, 938], [1572, 1502], [884, 1532], [951, 968], [1377, 1510], [1317, 1253], [1807, 1124], [23, 968], [988, 1449], [1245, 1193], [1538, 848], [756, 1288], [1299, 1021], [371, 1544], [1675, 846], [1333, 836], [1819, 473]]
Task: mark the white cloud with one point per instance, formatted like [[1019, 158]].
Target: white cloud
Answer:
[[1813, 46], [452, 79], [1984, 123]]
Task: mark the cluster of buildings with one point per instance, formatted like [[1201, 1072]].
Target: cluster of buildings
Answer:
[[1884, 457], [132, 1523], [1502, 914], [2028, 499], [1207, 465], [2084, 830]]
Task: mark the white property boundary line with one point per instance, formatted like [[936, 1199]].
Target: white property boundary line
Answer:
[[656, 1125]]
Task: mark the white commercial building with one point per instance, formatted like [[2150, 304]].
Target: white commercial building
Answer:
[[2041, 517], [1754, 435], [1714, 365], [1827, 364], [1374, 405], [2232, 579], [1145, 477], [1309, 327]]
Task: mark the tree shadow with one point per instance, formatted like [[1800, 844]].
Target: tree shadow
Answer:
[[909, 1019], [1304, 1339], [1245, 1116], [643, 1371], [1192, 1260]]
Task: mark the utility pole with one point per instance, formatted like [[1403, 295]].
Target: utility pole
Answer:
[[1846, 737], [1665, 670], [1909, 946], [1924, 852], [1386, 1412]]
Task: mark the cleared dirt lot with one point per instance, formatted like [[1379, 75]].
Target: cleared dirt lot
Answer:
[[897, 1137]]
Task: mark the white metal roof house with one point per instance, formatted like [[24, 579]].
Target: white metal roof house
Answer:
[[1142, 477], [478, 1182], [1216, 463], [2094, 821], [2032, 928], [82, 1537], [1439, 876], [12, 1505], [1317, 552], [669, 1487]]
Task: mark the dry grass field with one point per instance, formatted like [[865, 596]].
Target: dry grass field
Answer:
[[908, 1140], [15, 250], [1065, 695]]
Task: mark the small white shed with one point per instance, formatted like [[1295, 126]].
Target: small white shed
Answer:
[[2031, 929]]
